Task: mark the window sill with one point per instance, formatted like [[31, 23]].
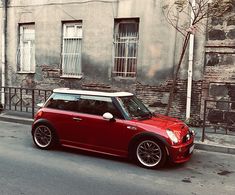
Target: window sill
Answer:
[[24, 72], [118, 78], [71, 76]]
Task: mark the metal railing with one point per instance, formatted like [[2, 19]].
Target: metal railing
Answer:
[[219, 116], [23, 99]]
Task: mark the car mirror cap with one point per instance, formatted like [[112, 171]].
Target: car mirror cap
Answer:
[[108, 116]]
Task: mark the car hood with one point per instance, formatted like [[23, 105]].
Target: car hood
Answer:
[[162, 122]]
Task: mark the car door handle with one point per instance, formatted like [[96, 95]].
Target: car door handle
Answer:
[[77, 119]]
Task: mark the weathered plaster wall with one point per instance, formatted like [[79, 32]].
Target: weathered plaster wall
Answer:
[[159, 46], [1, 47], [96, 43], [157, 39], [156, 44]]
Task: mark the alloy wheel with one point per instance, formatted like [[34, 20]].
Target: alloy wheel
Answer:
[[43, 136], [149, 153]]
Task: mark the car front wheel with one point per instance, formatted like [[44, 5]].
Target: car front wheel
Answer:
[[43, 137], [150, 153]]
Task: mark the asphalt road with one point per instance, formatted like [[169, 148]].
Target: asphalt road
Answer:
[[25, 169]]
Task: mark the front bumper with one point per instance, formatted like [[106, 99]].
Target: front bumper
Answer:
[[181, 153]]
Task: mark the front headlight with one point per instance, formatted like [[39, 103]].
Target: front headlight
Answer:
[[172, 136]]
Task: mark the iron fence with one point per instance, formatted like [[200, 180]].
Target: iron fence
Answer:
[[23, 99], [220, 116]]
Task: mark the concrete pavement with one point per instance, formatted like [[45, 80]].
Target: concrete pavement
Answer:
[[27, 170], [17, 117], [216, 142]]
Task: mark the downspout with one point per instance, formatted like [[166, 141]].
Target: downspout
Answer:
[[190, 66], [4, 23]]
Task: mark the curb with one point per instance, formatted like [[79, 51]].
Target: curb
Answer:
[[13, 119], [215, 148]]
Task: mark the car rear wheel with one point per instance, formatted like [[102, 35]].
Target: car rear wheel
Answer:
[[43, 137], [150, 153]]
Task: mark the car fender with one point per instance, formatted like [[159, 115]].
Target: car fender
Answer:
[[42, 121], [146, 134]]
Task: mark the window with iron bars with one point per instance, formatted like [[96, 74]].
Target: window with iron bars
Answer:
[[26, 48], [126, 39], [71, 49]]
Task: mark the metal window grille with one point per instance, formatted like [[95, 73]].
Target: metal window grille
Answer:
[[125, 50], [71, 51], [26, 48]]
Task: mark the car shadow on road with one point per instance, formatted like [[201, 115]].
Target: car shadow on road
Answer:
[[91, 154], [168, 166]]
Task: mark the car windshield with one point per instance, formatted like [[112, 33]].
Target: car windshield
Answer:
[[134, 108]]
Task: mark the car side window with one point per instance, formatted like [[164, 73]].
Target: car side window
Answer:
[[111, 108], [86, 106], [61, 101], [98, 105]]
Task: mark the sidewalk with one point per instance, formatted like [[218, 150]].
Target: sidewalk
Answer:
[[213, 142], [16, 117]]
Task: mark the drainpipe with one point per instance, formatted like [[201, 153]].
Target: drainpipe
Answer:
[[190, 67], [4, 23]]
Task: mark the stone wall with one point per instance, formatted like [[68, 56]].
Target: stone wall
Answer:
[[219, 71], [220, 47], [156, 97]]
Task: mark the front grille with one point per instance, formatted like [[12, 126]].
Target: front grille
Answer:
[[187, 137], [186, 154]]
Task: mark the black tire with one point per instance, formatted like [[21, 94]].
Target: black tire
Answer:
[[44, 136], [149, 153]]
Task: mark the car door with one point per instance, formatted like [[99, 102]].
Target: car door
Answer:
[[111, 136], [59, 111], [95, 132]]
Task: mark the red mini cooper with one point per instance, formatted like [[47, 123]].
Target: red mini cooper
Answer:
[[116, 124]]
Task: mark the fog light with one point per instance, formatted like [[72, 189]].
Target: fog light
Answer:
[[187, 137]]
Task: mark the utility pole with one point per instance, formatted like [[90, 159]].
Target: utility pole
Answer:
[[4, 29], [190, 64]]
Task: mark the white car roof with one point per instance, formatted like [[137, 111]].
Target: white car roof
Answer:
[[97, 93]]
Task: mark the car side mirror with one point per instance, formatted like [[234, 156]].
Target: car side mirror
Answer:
[[40, 105], [108, 116]]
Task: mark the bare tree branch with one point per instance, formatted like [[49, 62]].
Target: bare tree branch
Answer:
[[200, 11]]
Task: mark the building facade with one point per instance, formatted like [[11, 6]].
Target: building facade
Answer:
[[108, 45]]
